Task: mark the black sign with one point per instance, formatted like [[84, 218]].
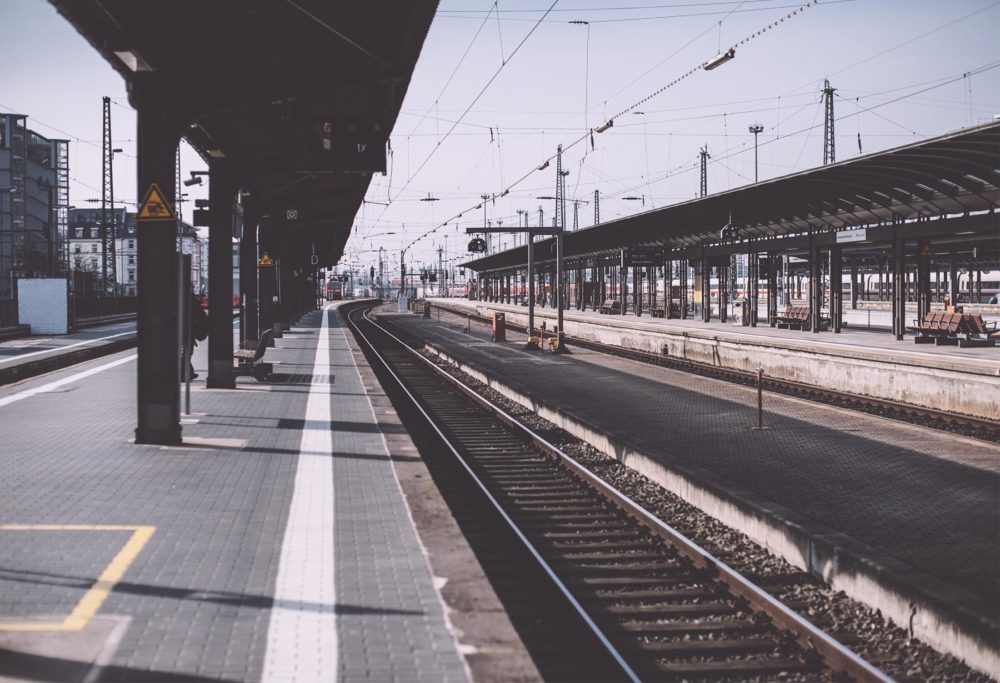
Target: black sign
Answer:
[[642, 256]]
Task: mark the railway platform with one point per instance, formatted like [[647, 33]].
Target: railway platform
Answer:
[[27, 356], [295, 535], [902, 517], [858, 360]]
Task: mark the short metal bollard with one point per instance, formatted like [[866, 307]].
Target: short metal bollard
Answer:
[[499, 327]]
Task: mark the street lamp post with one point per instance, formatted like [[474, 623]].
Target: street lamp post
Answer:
[[756, 129]]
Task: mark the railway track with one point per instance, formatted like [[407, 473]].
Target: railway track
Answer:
[[663, 608], [966, 425]]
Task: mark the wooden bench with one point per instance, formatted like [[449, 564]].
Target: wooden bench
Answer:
[[611, 306], [659, 310], [794, 318], [978, 332], [937, 328], [250, 357]]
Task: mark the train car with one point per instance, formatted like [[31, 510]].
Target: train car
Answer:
[[334, 290]]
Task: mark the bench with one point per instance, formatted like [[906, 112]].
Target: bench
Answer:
[[978, 332], [250, 357], [611, 306], [799, 318], [794, 317], [937, 328], [659, 310]]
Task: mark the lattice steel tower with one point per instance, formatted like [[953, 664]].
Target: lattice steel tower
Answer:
[[108, 277], [829, 153], [597, 207], [705, 156]]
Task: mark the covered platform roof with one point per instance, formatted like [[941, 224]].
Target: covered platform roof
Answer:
[[297, 96], [956, 174]]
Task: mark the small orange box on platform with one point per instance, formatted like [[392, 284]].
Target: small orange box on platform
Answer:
[[499, 327]]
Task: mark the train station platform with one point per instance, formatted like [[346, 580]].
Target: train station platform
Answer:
[[32, 355], [857, 360], [901, 517], [292, 537]]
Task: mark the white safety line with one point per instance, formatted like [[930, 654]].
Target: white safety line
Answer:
[[63, 348], [302, 634], [52, 386]]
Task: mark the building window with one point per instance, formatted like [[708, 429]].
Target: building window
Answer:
[[131, 244], [77, 250], [79, 263], [93, 263], [93, 248], [131, 260], [131, 275], [79, 232]]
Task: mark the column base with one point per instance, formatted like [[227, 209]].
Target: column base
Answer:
[[220, 375]]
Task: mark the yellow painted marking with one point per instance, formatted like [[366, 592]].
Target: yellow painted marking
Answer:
[[92, 600]]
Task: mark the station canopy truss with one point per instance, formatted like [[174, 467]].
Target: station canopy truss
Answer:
[[944, 189], [283, 90]]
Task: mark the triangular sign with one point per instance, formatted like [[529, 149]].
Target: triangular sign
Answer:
[[265, 260], [155, 206]]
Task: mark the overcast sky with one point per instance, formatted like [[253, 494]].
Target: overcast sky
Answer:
[[904, 70]]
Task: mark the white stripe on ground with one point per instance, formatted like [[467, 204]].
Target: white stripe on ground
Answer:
[[63, 348], [302, 634], [52, 386]]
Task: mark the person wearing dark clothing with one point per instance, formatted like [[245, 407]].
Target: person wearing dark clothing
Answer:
[[198, 330]]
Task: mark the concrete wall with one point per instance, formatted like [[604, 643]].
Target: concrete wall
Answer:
[[42, 303]]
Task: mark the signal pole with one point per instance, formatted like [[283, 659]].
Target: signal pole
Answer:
[[829, 153], [109, 279], [704, 170]]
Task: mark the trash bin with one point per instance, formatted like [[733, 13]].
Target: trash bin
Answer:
[[499, 327], [427, 310]]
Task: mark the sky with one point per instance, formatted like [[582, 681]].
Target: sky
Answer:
[[500, 84]]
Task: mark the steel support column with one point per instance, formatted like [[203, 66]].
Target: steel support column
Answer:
[[772, 289], [923, 283], [221, 195], [158, 367], [706, 290], [836, 288], [248, 274], [898, 284], [815, 288]]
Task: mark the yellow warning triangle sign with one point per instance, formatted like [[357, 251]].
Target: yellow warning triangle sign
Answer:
[[265, 260], [154, 206]]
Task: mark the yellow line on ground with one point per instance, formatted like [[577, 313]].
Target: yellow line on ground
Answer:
[[92, 600]]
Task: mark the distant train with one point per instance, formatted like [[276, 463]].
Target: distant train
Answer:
[[334, 290]]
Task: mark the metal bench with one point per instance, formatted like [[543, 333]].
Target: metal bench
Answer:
[[250, 357]]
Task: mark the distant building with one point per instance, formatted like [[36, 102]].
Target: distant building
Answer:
[[87, 257], [34, 197]]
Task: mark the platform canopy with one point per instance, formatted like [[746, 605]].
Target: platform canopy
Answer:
[[297, 96], [951, 175]]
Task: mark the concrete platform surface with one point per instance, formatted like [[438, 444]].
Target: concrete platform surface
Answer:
[[844, 494], [24, 349], [276, 544]]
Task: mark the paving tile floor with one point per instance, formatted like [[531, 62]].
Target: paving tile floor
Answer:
[[197, 597]]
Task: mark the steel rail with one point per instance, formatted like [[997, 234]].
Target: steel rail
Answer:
[[584, 616], [835, 655]]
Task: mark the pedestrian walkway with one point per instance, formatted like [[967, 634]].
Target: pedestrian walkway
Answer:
[[274, 545]]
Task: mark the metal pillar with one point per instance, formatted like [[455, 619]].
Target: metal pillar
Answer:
[[815, 287], [623, 289], [531, 287], [898, 284], [855, 285], [248, 274], [836, 288], [221, 192], [772, 289], [706, 290], [158, 370], [953, 283], [753, 264], [923, 284]]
